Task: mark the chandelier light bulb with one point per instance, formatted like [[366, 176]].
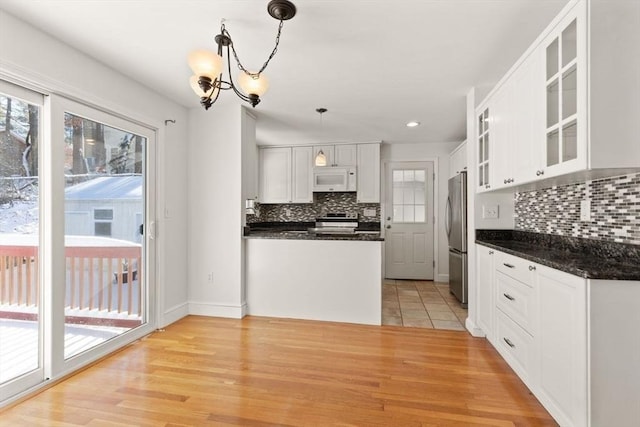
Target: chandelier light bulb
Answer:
[[205, 63], [253, 84]]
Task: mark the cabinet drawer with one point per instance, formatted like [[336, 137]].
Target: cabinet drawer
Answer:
[[515, 345], [516, 299], [518, 268]]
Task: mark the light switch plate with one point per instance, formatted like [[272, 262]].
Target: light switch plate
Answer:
[[490, 211], [585, 210]]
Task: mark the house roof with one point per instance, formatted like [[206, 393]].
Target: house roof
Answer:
[[127, 187]]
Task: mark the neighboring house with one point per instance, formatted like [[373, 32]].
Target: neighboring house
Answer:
[[109, 206]]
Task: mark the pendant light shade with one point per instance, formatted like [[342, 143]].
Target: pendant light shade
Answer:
[[321, 159], [253, 84], [204, 63]]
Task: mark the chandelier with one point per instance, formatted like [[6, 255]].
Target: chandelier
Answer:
[[207, 67]]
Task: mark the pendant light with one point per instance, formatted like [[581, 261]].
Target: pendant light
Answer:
[[321, 159]]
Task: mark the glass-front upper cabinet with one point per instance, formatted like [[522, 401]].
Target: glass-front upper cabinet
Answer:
[[562, 97], [483, 150]]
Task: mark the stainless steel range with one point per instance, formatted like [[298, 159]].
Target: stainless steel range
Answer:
[[336, 223]]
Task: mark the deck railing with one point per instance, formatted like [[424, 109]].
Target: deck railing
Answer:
[[102, 282]]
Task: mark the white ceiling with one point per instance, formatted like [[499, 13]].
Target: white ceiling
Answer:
[[374, 64]]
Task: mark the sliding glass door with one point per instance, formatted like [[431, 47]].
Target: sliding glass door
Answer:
[[77, 263], [21, 355]]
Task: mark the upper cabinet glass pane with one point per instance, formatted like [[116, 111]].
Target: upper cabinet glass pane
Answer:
[[569, 44], [552, 59], [480, 124], [552, 103], [486, 119], [569, 93]]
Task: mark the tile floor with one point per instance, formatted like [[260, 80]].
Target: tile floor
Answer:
[[421, 304]]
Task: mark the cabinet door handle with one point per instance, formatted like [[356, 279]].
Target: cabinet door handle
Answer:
[[509, 343], [532, 268], [508, 265], [506, 181], [509, 297], [539, 173], [490, 252]]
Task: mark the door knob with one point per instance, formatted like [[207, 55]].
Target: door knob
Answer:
[[388, 218], [388, 226]]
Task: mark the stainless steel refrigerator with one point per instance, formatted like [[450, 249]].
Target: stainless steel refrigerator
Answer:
[[456, 225]]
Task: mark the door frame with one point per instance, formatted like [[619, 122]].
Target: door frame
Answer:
[[437, 277], [53, 213]]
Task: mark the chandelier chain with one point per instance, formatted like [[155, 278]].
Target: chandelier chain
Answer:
[[235, 55]]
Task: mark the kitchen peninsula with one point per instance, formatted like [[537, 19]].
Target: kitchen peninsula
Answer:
[[296, 274]]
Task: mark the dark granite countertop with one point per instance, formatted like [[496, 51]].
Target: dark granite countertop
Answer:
[[368, 232], [588, 258]]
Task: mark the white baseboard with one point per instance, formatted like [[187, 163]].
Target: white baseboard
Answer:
[[442, 278], [217, 310], [174, 314], [474, 329]]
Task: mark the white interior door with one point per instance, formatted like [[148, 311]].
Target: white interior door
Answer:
[[409, 221]]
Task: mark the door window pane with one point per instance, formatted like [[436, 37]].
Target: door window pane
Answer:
[[569, 142], [19, 238], [104, 174], [408, 195]]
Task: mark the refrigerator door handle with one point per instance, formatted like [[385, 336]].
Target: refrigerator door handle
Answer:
[[447, 217]]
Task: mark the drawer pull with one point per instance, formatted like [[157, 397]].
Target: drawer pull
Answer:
[[509, 343], [532, 268], [509, 297], [508, 265]]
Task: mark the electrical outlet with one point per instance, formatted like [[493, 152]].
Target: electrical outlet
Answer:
[[490, 211], [210, 277], [287, 212], [369, 212], [585, 210]]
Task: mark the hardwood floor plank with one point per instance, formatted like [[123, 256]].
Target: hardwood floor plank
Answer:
[[277, 372]]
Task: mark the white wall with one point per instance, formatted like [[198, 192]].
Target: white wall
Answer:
[[439, 153], [216, 210], [36, 60]]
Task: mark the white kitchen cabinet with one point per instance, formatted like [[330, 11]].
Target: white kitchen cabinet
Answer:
[[368, 171], [565, 49], [302, 178], [458, 160], [484, 148], [337, 155], [485, 290], [567, 110], [275, 175], [571, 340], [249, 156], [562, 345], [285, 175]]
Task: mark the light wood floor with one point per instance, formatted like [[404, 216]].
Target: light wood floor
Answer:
[[275, 372]]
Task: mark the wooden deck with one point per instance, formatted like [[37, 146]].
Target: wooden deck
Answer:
[[277, 372], [19, 344]]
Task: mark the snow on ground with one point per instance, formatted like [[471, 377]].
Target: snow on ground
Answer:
[[21, 216]]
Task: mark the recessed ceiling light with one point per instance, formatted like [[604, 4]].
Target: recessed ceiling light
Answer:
[[413, 124]]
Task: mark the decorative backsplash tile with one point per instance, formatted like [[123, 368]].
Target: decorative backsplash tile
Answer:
[[308, 212], [615, 210]]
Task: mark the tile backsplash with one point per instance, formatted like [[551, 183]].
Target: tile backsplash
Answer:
[[615, 209], [308, 212]]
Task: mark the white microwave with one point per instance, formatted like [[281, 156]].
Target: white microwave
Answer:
[[334, 178]]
